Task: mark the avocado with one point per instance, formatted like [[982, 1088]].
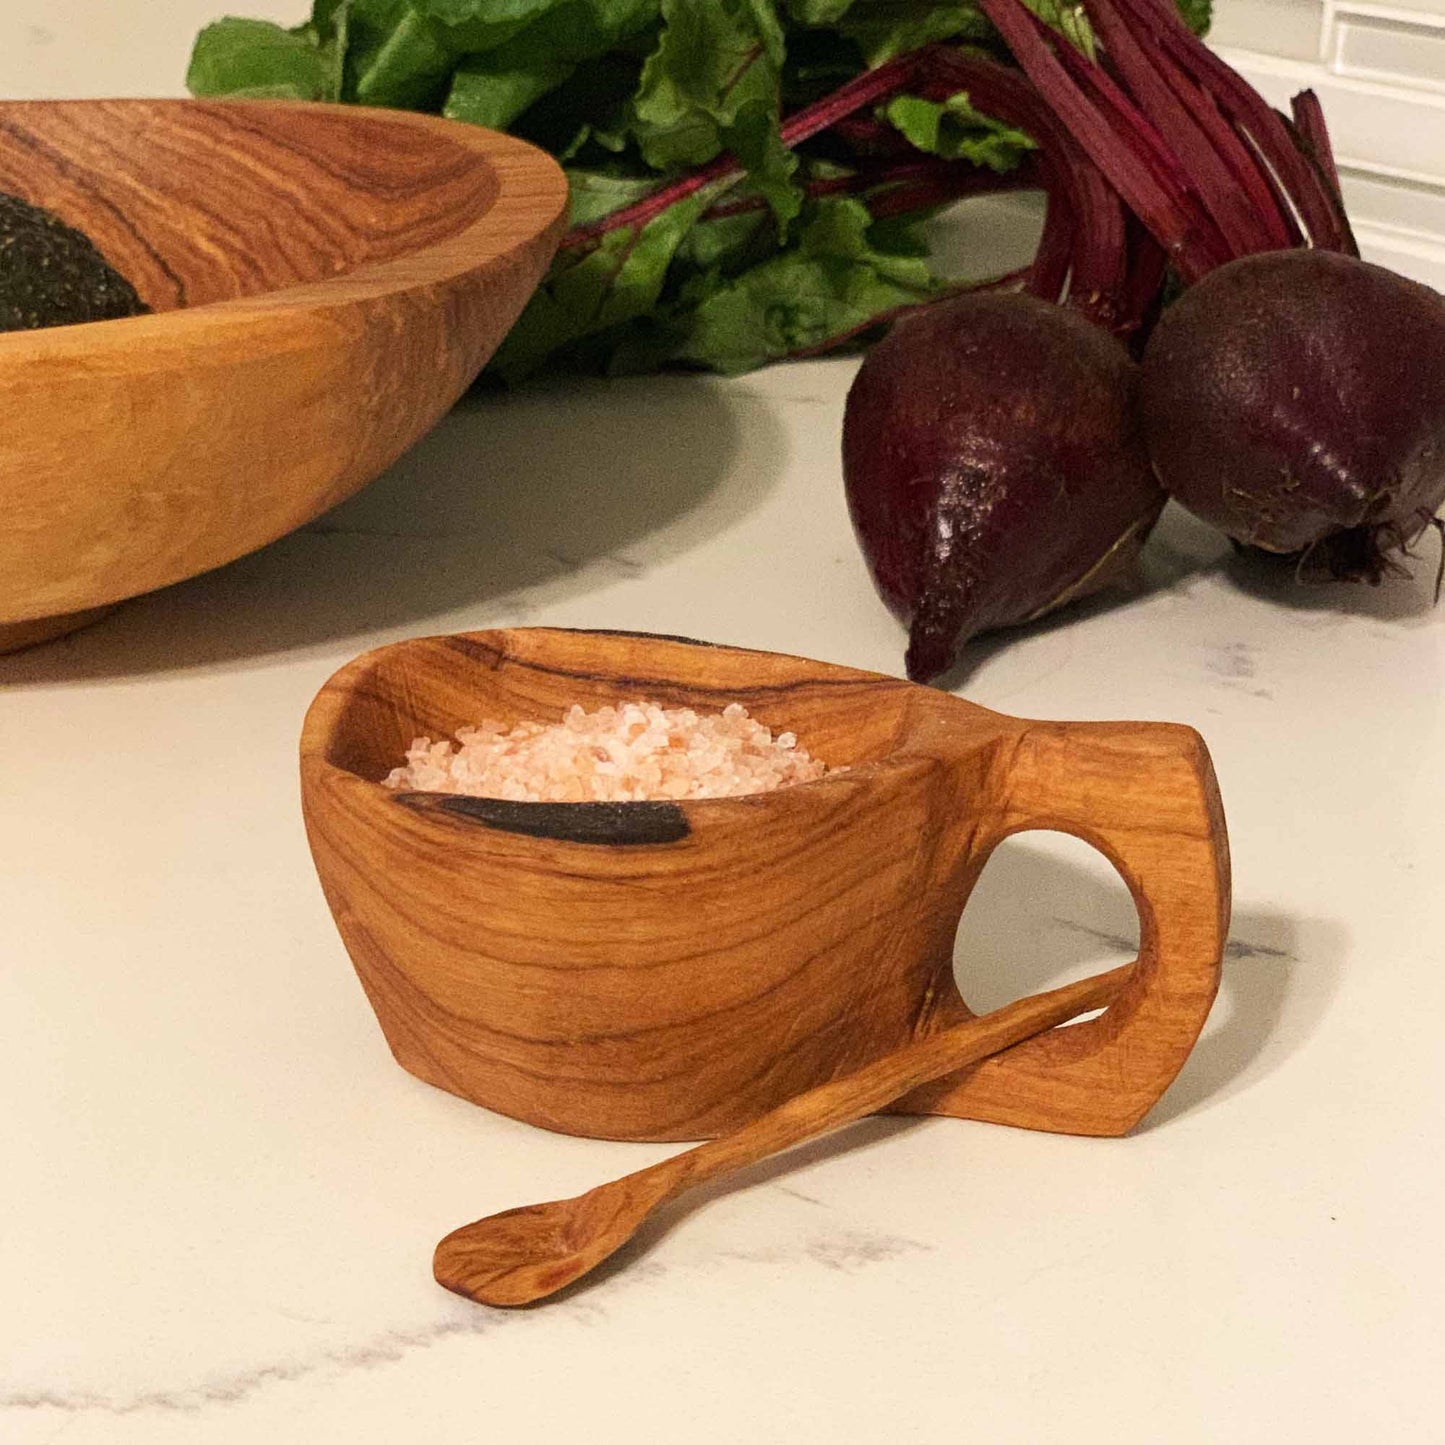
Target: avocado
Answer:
[[52, 274]]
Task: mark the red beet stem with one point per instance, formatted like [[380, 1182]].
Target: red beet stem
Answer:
[[867, 135], [1049, 273], [1148, 263], [867, 89], [939, 189], [1123, 157], [1012, 281], [1309, 116], [1313, 139], [1204, 235], [1243, 160], [1245, 213], [903, 186], [1301, 185], [1096, 263]]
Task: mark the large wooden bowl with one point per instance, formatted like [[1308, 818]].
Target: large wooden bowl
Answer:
[[327, 281], [669, 971]]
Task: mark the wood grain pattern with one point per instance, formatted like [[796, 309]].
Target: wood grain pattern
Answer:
[[327, 281], [525, 1254], [678, 989]]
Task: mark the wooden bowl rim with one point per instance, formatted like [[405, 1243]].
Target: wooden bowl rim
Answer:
[[526, 178], [323, 720]]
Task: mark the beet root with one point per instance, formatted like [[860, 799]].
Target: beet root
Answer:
[[1296, 400], [994, 468]]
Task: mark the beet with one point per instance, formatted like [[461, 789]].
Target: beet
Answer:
[[1293, 397], [1296, 400], [994, 467]]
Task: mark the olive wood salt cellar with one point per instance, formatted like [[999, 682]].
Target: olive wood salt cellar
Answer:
[[673, 971]]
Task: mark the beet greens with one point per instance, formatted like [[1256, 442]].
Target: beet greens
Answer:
[[748, 179]]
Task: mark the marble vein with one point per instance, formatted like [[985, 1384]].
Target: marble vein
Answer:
[[1238, 948], [230, 1389], [846, 1251]]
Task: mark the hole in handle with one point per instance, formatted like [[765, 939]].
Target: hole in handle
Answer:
[[1047, 909]]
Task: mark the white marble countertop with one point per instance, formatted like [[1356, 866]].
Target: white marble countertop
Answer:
[[221, 1194]]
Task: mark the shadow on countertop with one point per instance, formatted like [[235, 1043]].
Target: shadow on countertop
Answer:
[[1183, 551], [548, 487], [1398, 598], [1037, 920]]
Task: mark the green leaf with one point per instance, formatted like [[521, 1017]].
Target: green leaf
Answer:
[[255, 58], [594, 194], [818, 12], [497, 87], [396, 56], [618, 280], [955, 131], [884, 28], [554, 30], [589, 114], [833, 282], [712, 84], [326, 18], [581, 30], [728, 244], [493, 89], [1069, 19], [480, 25], [1197, 14]]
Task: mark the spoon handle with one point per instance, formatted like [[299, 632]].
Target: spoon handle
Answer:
[[525, 1254], [831, 1105]]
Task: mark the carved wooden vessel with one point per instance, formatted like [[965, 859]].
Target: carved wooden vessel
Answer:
[[326, 280], [671, 971]]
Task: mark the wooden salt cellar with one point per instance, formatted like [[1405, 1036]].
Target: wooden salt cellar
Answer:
[[670, 971]]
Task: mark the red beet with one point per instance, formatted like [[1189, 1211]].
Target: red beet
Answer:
[[1296, 400], [994, 467]]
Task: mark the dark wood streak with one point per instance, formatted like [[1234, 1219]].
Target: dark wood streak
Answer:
[[477, 651], [497, 657], [623, 825], [629, 632], [838, 893]]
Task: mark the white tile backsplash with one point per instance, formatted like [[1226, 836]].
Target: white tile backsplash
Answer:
[[1391, 47], [1379, 71], [1291, 28]]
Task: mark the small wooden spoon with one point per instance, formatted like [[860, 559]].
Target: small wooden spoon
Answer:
[[525, 1254]]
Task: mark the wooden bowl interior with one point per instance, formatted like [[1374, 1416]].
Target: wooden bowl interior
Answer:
[[433, 686], [197, 202]]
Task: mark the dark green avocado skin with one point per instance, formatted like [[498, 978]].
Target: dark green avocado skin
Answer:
[[51, 274]]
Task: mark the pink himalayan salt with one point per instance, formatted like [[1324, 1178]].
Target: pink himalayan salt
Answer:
[[636, 752]]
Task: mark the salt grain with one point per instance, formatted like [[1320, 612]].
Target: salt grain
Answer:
[[637, 752]]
